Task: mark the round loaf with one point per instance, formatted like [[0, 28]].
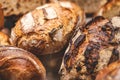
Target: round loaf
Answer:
[[18, 64], [89, 51], [48, 28]]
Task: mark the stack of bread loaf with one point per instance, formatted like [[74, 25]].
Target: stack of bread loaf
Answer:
[[50, 40]]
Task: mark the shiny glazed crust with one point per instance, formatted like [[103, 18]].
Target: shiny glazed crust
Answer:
[[89, 51], [18, 64], [47, 29]]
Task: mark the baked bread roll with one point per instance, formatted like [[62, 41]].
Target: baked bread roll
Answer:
[[48, 28], [111, 72], [18, 64], [4, 39], [89, 51], [1, 17], [111, 9], [90, 6], [16, 7]]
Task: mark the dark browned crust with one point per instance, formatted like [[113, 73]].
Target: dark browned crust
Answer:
[[94, 20], [84, 61], [91, 58], [115, 56]]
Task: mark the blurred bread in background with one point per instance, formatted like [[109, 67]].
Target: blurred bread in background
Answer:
[[90, 6], [16, 7], [109, 10]]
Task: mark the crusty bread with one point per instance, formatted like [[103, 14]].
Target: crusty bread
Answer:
[[18, 64], [111, 72], [90, 51], [110, 10], [90, 6], [47, 29], [1, 17], [16, 7]]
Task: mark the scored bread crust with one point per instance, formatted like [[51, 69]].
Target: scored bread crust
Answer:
[[110, 9], [89, 51], [16, 7], [111, 72], [47, 29]]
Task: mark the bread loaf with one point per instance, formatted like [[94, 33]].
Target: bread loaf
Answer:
[[48, 28], [18, 64], [90, 51]]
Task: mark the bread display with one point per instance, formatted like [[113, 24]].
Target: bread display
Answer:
[[18, 64], [90, 51], [1, 17], [69, 41], [111, 9], [48, 28], [90, 6], [111, 72]]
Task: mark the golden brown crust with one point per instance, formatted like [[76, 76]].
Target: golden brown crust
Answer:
[[4, 39], [89, 51], [48, 28], [1, 17], [110, 9], [18, 64], [111, 72]]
